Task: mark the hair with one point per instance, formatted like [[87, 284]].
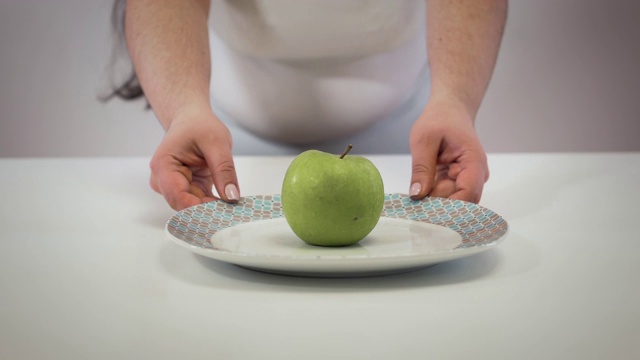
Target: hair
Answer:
[[128, 89]]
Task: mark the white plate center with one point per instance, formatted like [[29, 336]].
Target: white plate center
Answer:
[[390, 238]]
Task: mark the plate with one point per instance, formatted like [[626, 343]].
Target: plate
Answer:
[[410, 235]]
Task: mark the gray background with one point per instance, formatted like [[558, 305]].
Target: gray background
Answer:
[[567, 79]]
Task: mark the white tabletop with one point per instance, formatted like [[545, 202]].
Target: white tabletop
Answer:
[[87, 273]]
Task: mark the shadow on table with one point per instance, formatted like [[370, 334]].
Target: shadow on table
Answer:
[[518, 255], [452, 272]]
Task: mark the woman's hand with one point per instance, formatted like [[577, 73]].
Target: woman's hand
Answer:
[[463, 38], [448, 159], [194, 155]]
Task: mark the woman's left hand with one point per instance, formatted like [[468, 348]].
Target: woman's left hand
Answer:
[[447, 157]]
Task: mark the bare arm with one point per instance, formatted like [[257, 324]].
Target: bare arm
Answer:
[[169, 47], [463, 38], [168, 43]]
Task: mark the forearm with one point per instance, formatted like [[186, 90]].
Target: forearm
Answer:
[[463, 38], [169, 47]]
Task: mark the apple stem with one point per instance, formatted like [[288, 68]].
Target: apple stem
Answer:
[[346, 151]]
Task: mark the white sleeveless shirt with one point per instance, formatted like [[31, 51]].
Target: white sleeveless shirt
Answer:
[[308, 71]]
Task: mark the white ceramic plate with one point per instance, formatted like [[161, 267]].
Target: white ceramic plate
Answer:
[[410, 235]]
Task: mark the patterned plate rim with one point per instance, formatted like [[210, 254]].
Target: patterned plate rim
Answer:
[[478, 226]]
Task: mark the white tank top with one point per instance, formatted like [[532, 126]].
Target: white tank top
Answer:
[[308, 71]]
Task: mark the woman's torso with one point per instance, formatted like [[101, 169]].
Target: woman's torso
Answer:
[[305, 71]]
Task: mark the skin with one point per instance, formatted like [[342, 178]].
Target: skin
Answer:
[[463, 37], [169, 47], [168, 43]]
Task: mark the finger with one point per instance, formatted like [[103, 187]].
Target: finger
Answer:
[[453, 170], [203, 181], [424, 156], [443, 185], [153, 182], [443, 188], [203, 195], [196, 190], [220, 162], [469, 183], [172, 179], [202, 190]]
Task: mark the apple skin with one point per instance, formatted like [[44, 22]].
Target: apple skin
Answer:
[[329, 201]]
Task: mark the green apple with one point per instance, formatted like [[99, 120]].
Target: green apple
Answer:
[[332, 200]]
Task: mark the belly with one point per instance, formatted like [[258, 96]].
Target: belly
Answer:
[[311, 101]]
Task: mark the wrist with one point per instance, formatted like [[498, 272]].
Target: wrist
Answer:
[[458, 100], [447, 107], [187, 114]]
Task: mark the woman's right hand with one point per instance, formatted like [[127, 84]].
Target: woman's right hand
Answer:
[[194, 155], [168, 42]]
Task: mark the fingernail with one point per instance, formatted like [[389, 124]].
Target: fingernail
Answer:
[[415, 189], [231, 192]]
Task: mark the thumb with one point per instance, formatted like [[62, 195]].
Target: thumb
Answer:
[[223, 171], [424, 158]]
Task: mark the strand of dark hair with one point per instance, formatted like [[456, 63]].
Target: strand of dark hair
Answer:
[[130, 88]]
